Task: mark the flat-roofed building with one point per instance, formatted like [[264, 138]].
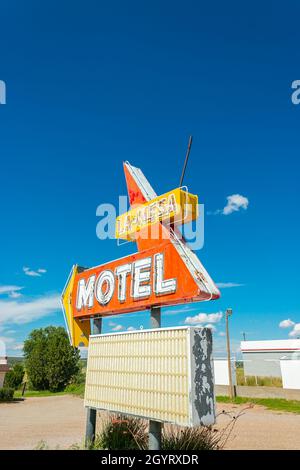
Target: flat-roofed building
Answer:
[[262, 358]]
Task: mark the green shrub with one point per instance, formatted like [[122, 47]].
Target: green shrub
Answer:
[[41, 445], [50, 361], [75, 389], [122, 434], [132, 433], [197, 438], [6, 394], [79, 378], [14, 377]]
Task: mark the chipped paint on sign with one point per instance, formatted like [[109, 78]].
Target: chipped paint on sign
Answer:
[[155, 374], [203, 384]]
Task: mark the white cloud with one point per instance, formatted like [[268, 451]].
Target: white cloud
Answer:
[[15, 295], [115, 326], [131, 328], [3, 351], [211, 327], [10, 289], [204, 318], [228, 285], [31, 272], [235, 202], [118, 328], [7, 339], [295, 331], [9, 346], [286, 323], [21, 312]]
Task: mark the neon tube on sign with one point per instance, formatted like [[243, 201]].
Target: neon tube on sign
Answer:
[[101, 288], [163, 272], [174, 207]]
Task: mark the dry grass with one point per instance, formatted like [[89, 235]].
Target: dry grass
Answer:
[[274, 404], [250, 380]]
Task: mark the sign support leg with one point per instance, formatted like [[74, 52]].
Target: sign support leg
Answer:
[[90, 429], [155, 427], [154, 435], [91, 416]]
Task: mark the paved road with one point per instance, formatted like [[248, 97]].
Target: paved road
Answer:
[[60, 422]]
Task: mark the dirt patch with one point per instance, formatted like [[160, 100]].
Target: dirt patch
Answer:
[[259, 428], [60, 422], [57, 420]]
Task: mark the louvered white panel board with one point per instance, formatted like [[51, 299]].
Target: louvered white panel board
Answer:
[[163, 374]]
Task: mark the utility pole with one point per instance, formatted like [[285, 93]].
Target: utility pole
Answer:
[[91, 415], [227, 315], [244, 336], [155, 427]]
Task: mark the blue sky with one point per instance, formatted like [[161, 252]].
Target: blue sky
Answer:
[[91, 84]]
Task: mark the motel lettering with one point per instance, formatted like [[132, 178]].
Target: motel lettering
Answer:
[[163, 272], [101, 288]]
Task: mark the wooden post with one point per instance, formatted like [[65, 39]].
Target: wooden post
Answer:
[[24, 388], [155, 427], [91, 415]]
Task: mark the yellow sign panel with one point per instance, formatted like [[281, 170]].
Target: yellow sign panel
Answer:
[[79, 331], [176, 207]]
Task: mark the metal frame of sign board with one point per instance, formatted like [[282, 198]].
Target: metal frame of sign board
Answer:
[[201, 400]]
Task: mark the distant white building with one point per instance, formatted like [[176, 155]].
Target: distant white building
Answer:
[[221, 371], [3, 369], [262, 358]]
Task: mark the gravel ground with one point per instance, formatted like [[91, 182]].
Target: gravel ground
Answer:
[[60, 421], [259, 428]]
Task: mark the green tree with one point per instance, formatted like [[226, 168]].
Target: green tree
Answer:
[[50, 361], [14, 378]]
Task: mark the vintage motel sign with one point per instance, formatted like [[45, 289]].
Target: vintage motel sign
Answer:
[[175, 207], [163, 272], [163, 375], [79, 332]]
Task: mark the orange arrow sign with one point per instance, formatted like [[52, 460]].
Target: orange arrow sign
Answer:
[[163, 272]]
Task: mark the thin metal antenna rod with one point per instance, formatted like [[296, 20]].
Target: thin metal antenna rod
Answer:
[[186, 159]]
